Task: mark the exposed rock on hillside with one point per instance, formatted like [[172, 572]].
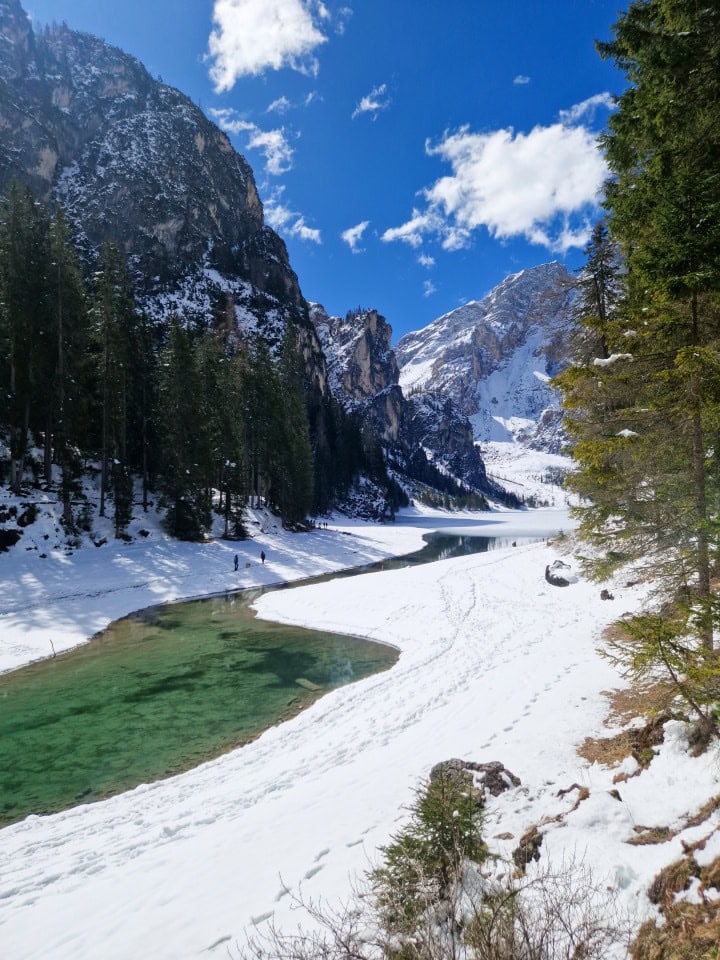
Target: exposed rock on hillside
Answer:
[[362, 369], [423, 434], [135, 162], [494, 357]]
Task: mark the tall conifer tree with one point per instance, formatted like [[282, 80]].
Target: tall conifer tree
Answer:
[[67, 359], [118, 337], [647, 440], [24, 322]]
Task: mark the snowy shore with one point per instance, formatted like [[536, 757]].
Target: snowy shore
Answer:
[[495, 665]]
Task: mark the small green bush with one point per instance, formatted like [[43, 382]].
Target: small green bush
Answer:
[[426, 858]]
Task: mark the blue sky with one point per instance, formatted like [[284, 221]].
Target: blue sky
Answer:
[[412, 153]]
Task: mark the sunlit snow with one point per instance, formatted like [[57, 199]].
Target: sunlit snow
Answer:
[[495, 664]]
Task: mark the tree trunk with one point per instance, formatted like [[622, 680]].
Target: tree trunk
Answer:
[[47, 449], [701, 517], [103, 458]]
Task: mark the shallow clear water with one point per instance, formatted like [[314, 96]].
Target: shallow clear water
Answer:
[[168, 688]]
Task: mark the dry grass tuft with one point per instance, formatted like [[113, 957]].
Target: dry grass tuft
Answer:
[[706, 811], [651, 835], [637, 742], [710, 875], [688, 931], [639, 700], [672, 879], [609, 751], [652, 700], [691, 932]]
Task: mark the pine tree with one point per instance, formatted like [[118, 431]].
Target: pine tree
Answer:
[[222, 380], [261, 417], [645, 411], [230, 408], [292, 480], [67, 365], [24, 318], [117, 328], [600, 291], [184, 437], [663, 147], [142, 442]]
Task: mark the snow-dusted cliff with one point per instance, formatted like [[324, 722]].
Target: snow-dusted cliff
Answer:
[[494, 357], [428, 439], [135, 162]]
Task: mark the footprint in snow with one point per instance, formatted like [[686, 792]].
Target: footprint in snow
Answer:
[[261, 918], [323, 853], [311, 873], [228, 936], [354, 843]]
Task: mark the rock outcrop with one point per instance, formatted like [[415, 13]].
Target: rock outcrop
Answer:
[[362, 370], [133, 161], [425, 435], [495, 357], [483, 779]]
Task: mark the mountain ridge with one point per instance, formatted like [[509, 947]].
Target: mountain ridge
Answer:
[[495, 357]]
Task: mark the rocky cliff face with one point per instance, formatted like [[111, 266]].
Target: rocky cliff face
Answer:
[[135, 162], [434, 424], [420, 432], [495, 357], [362, 369]]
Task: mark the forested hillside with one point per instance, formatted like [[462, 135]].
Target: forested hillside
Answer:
[[153, 335], [90, 378], [643, 398]]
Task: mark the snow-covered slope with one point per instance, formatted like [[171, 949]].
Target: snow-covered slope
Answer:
[[494, 666], [495, 356]]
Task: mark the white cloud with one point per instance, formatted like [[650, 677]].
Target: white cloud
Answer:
[[272, 143], [520, 80], [415, 228], [343, 15], [429, 288], [374, 102], [425, 260], [353, 235], [252, 36], [277, 215], [541, 186], [278, 152], [301, 230], [281, 105], [587, 108], [286, 220], [229, 120]]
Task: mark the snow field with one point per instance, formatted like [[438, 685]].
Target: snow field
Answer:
[[495, 665]]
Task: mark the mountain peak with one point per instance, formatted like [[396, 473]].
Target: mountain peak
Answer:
[[495, 356]]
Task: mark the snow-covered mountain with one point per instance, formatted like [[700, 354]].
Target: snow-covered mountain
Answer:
[[135, 162], [494, 357], [426, 436]]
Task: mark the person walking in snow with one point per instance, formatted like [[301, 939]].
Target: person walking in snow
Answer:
[[262, 556], [237, 561]]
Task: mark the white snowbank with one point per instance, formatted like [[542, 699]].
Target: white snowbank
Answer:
[[495, 664]]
